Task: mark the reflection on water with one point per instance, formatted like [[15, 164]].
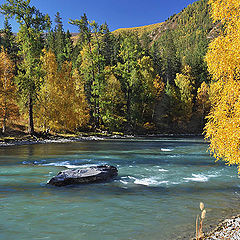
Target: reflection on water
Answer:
[[155, 196]]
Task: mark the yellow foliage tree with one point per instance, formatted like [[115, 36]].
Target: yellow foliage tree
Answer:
[[185, 82], [223, 127], [203, 102], [46, 97], [158, 87], [8, 105], [62, 101]]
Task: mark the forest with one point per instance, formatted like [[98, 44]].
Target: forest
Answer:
[[138, 81]]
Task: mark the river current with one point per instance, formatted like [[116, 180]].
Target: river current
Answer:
[[155, 197]]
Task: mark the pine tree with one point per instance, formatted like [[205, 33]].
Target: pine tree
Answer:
[[129, 54], [60, 42], [92, 63], [8, 41]]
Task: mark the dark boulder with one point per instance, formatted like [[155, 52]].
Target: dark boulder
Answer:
[[83, 176]]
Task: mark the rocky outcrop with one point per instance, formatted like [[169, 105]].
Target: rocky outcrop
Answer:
[[83, 176]]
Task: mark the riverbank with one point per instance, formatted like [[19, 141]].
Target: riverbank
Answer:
[[227, 229], [65, 138], [28, 140]]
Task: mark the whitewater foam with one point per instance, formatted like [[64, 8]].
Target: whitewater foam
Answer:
[[162, 170], [197, 178], [123, 182], [166, 149], [149, 182]]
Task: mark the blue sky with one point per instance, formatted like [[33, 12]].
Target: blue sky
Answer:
[[117, 13]]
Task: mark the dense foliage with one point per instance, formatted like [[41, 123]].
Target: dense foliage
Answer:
[[152, 80], [224, 64]]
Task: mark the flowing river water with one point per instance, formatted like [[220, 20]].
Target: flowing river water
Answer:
[[156, 195]]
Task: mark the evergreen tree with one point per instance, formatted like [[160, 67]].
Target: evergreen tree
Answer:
[[8, 41], [92, 63], [170, 61], [128, 70], [60, 42], [68, 46]]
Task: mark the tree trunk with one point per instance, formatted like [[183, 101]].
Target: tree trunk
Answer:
[[5, 106], [129, 122], [4, 126], [30, 112]]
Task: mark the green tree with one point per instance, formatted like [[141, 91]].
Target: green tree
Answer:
[[60, 43], [112, 103], [32, 23], [170, 61], [8, 41], [92, 63], [185, 84], [130, 52]]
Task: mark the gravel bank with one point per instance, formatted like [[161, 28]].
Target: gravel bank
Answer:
[[229, 229]]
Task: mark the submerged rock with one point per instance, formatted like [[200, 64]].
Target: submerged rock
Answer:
[[85, 175]]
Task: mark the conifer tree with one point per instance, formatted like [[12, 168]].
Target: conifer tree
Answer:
[[129, 54], [60, 42], [92, 63], [8, 41]]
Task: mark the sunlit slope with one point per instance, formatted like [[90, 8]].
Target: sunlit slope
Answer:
[[140, 30]]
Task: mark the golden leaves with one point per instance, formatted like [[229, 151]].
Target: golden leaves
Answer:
[[62, 102], [8, 104], [223, 59]]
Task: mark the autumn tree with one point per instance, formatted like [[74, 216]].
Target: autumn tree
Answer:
[[71, 108], [203, 102], [46, 104], [32, 23], [8, 104], [62, 102], [185, 84], [223, 63], [151, 88]]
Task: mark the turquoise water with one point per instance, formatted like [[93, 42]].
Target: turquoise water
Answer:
[[156, 195]]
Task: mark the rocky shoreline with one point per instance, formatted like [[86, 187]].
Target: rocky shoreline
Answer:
[[29, 140], [54, 139], [227, 229]]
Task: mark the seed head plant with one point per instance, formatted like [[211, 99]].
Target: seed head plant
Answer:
[[199, 232]]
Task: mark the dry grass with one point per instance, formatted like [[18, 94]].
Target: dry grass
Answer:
[[139, 30], [199, 227]]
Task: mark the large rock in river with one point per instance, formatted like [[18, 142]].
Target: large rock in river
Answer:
[[86, 175]]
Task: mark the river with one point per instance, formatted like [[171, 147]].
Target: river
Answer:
[[156, 195]]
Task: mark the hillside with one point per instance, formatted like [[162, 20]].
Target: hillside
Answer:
[[141, 30]]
